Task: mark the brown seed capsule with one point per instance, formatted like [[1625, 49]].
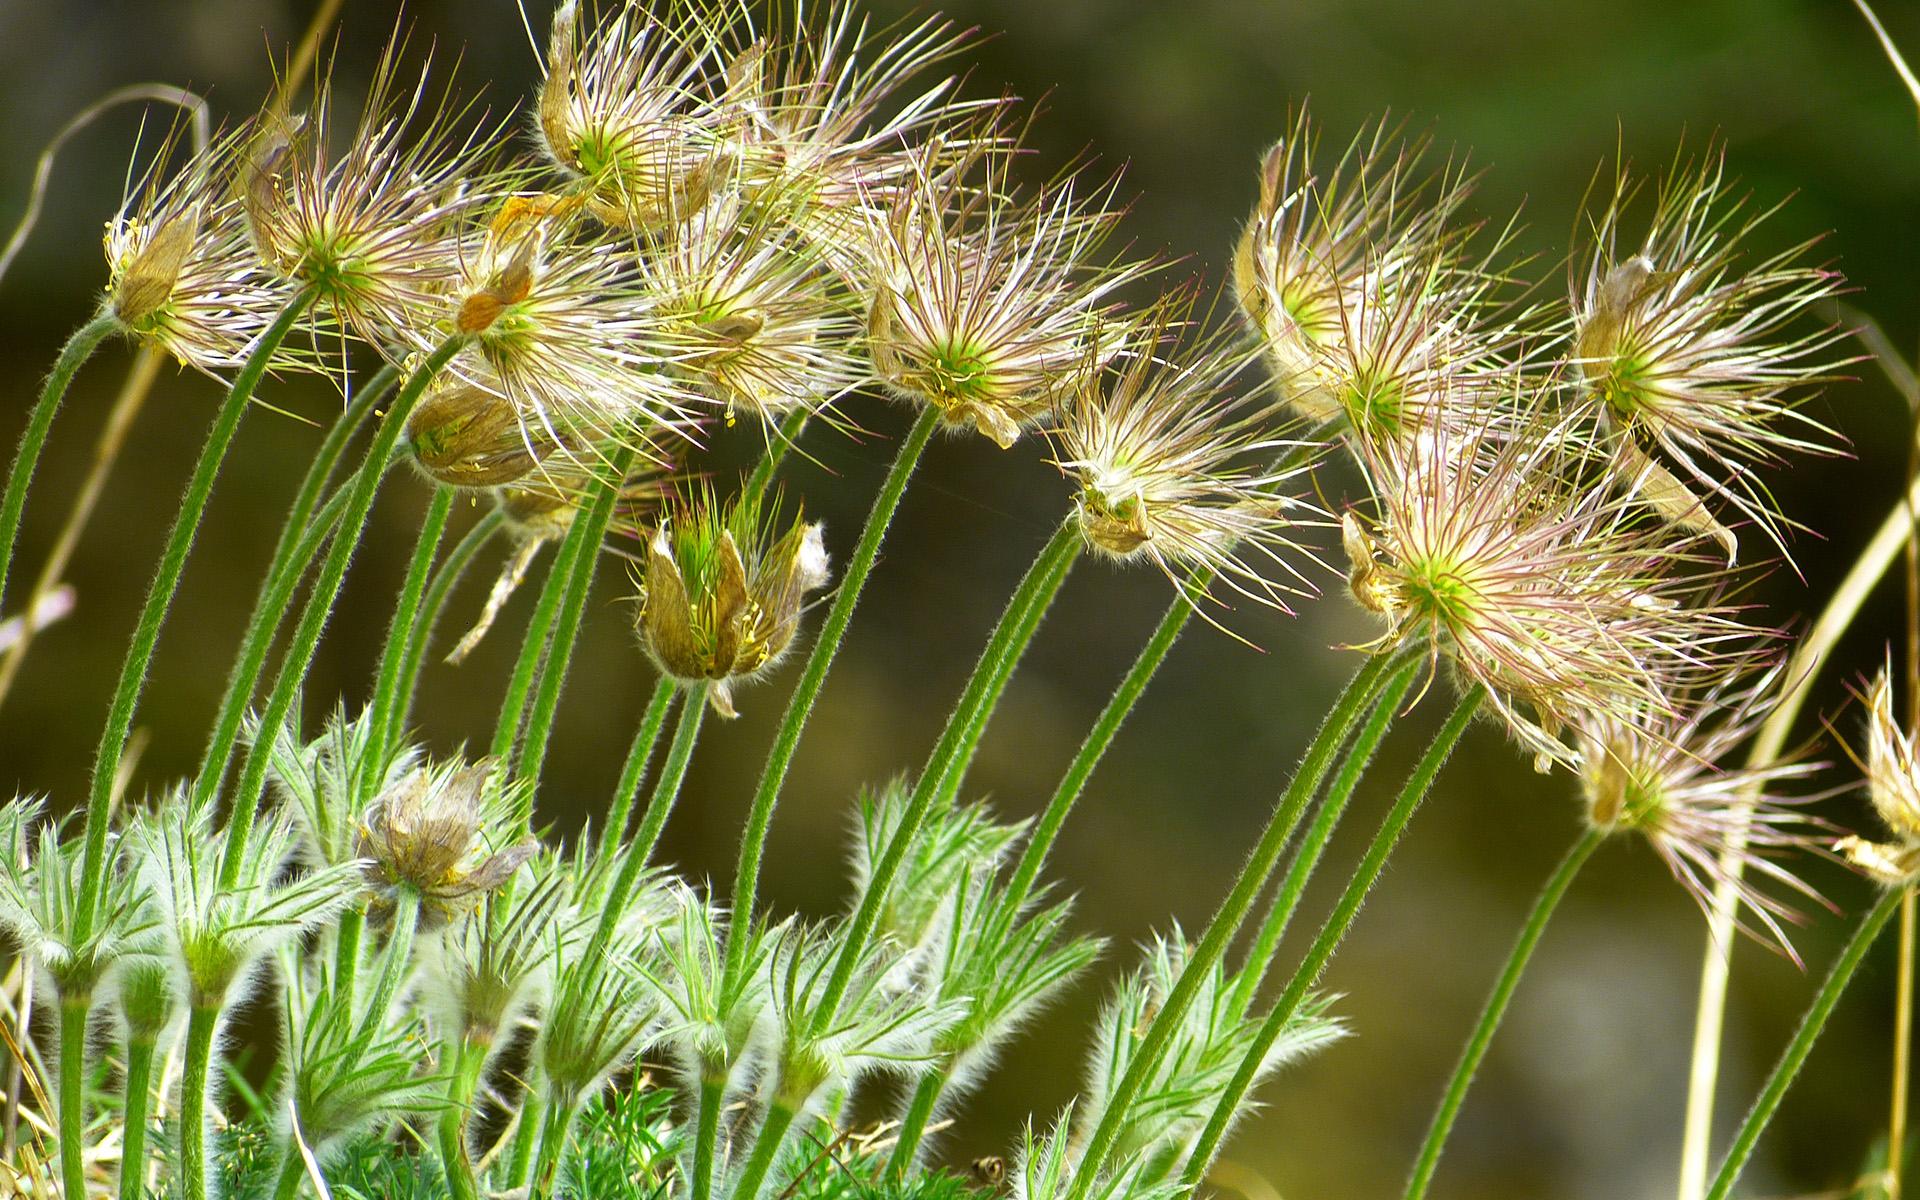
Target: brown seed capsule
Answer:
[[431, 833], [147, 283], [465, 436]]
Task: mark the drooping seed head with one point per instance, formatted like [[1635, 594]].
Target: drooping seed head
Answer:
[[1671, 777], [1690, 346], [182, 275], [988, 309], [1893, 785], [1175, 467]]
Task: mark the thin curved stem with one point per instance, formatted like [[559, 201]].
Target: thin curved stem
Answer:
[[1313, 843], [746, 880], [1495, 1011], [444, 581], [1332, 932], [1359, 694], [319, 606], [634, 772], [782, 441], [106, 452], [1809, 657], [1106, 727], [73, 1092], [573, 605], [1007, 645], [146, 635], [13, 503], [307, 524], [1797, 1050], [533, 646], [406, 613]]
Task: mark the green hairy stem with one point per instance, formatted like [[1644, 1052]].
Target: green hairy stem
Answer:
[[1562, 878], [299, 542], [444, 581], [450, 1128], [1333, 931], [913, 1126], [406, 613], [573, 604], [1795, 1055], [137, 1089], [146, 635], [746, 879], [1005, 647], [1358, 695], [766, 1148], [533, 647], [634, 772], [73, 1091], [319, 606], [196, 1063], [1319, 832], [73, 356], [706, 1141]]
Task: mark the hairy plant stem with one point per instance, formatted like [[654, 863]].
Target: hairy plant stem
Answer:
[[746, 880], [913, 1125], [766, 1149], [1313, 843], [554, 1132], [444, 581], [137, 1088], [406, 613], [533, 647], [319, 606], [1809, 656], [573, 605], [1332, 932], [450, 1128], [666, 790], [396, 956], [153, 614], [533, 1108], [706, 1142], [293, 1172], [1797, 1050], [202, 1021], [306, 526], [1496, 1009], [1359, 694], [1008, 643], [633, 772], [106, 452], [74, 1009], [73, 355], [782, 441]]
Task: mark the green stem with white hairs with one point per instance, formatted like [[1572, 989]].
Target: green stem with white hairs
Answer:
[[1810, 655], [444, 581], [766, 1150], [1007, 645], [634, 772], [1795, 1055], [1562, 878], [136, 1091], [73, 356], [203, 1019], [153, 614], [74, 1009], [1332, 932], [406, 613], [308, 523], [1359, 695], [533, 647], [597, 514], [326, 589], [813, 676]]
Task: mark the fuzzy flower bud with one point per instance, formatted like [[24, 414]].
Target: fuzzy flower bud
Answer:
[[467, 436], [1893, 785], [434, 832], [722, 594]]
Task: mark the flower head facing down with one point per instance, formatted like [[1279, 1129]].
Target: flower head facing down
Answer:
[[988, 309], [1175, 467], [1667, 776], [444, 832], [1893, 785], [1552, 594], [374, 233], [722, 592], [1687, 350], [181, 273]]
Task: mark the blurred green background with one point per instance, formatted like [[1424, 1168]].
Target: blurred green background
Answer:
[[1582, 1095]]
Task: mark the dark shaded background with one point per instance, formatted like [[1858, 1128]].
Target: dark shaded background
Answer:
[[1583, 1093]]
